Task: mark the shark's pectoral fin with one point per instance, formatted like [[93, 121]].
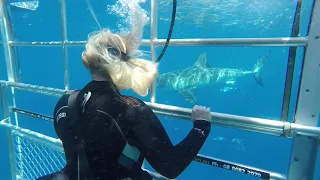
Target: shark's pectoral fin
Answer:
[[188, 95]]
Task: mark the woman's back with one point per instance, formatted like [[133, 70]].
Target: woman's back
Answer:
[[103, 140]]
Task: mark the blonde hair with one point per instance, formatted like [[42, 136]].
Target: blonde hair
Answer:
[[105, 50], [135, 73]]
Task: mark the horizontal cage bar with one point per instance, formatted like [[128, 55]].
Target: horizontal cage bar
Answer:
[[277, 41]]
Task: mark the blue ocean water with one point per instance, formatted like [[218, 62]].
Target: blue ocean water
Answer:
[[195, 19]]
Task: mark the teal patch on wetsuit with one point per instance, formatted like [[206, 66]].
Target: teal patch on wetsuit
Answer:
[[131, 152]]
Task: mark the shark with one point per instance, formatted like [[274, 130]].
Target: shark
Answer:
[[201, 74]]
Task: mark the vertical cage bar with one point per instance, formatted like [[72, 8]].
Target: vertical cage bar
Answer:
[[13, 71], [153, 37], [291, 65], [12, 63], [6, 114], [304, 148], [63, 17]]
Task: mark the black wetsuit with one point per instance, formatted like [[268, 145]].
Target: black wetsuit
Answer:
[[141, 128]]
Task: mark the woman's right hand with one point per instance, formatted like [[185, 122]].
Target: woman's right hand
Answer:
[[201, 113]]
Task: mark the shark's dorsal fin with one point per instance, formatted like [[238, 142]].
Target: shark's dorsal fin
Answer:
[[202, 61]]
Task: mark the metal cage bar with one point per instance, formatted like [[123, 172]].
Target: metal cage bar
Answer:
[[64, 32], [305, 148], [6, 114], [275, 41], [13, 72], [153, 38], [12, 64], [292, 56], [266, 126]]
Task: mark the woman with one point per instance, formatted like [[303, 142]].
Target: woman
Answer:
[[106, 135]]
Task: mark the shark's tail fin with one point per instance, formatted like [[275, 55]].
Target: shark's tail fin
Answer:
[[257, 69]]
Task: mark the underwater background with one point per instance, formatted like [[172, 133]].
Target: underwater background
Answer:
[[195, 19]]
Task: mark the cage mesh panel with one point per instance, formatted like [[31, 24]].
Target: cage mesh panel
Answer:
[[36, 159]]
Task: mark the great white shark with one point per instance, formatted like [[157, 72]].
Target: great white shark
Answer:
[[185, 81]]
